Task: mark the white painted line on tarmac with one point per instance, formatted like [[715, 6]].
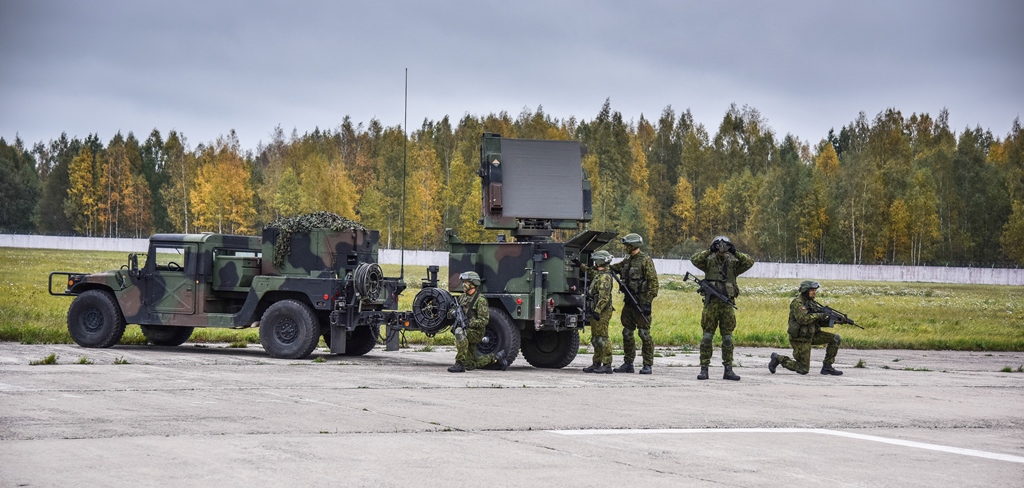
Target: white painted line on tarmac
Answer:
[[863, 437]]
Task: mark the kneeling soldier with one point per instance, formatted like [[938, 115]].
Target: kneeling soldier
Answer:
[[467, 338], [805, 323]]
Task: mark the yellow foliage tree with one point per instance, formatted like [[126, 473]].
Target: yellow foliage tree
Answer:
[[685, 208], [82, 203], [222, 198]]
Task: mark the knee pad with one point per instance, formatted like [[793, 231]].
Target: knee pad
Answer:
[[645, 334], [726, 340], [600, 342], [838, 340], [708, 338]]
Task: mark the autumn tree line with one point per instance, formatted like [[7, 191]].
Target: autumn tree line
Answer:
[[887, 190]]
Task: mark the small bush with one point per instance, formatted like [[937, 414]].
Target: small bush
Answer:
[[121, 360], [84, 360], [860, 364], [319, 359], [239, 344]]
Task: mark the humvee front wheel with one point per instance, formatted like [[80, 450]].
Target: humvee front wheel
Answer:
[[95, 320], [166, 335], [550, 349], [289, 330], [501, 334]]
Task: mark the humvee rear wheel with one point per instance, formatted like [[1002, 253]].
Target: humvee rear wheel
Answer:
[[95, 320], [501, 334], [550, 349], [166, 335], [289, 330]]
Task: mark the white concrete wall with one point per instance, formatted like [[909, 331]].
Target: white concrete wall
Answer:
[[795, 271]]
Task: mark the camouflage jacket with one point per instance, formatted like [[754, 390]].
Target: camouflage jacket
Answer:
[[600, 292], [804, 322], [722, 269], [638, 274], [479, 315]]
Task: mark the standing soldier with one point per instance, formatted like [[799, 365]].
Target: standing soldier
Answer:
[[641, 283], [469, 335], [805, 324], [599, 302], [721, 265]]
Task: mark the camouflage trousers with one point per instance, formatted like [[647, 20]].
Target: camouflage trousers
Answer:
[[599, 339], [717, 315], [801, 361], [634, 321], [466, 351]]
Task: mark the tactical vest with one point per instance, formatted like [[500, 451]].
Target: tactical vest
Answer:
[[633, 274], [722, 275]]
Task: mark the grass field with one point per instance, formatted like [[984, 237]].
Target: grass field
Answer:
[[895, 315]]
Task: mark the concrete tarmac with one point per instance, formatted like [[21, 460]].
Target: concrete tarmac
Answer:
[[210, 415]]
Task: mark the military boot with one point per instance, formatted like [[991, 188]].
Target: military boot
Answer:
[[646, 369], [828, 369], [703, 373], [502, 359], [593, 368], [457, 368], [606, 369], [625, 368], [774, 363], [729, 375]]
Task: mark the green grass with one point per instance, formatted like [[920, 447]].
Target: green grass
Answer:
[[51, 359], [895, 315]]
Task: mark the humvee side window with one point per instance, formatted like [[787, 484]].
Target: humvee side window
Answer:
[[171, 258]]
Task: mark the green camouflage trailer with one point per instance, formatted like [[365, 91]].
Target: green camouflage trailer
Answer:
[[296, 283], [534, 285]]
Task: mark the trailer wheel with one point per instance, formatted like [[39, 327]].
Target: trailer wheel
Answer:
[[95, 320], [501, 335], [166, 335], [289, 330], [550, 349], [361, 340]]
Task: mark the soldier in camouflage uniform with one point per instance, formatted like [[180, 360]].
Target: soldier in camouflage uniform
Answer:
[[641, 280], [721, 265], [467, 339], [805, 324], [599, 300]]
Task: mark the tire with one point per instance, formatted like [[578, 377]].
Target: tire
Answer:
[[361, 340], [502, 335], [95, 320], [166, 335], [289, 330], [358, 343], [550, 349]]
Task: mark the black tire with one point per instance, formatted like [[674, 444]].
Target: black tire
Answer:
[[502, 335], [95, 320], [358, 343], [550, 349], [166, 335], [289, 330], [361, 340]]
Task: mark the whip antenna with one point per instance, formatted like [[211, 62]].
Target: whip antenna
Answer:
[[405, 152]]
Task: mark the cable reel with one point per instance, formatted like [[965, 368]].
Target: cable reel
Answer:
[[432, 309], [369, 282]]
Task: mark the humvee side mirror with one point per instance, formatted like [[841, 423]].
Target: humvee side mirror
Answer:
[[133, 265]]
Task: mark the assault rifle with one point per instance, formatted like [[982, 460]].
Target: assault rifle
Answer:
[[707, 289], [461, 326], [834, 316], [636, 303]]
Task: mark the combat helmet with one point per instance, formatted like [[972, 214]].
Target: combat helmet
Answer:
[[633, 240], [808, 285], [718, 241], [602, 258], [470, 276]]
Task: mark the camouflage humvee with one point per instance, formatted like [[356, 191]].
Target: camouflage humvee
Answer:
[[309, 277], [534, 285]]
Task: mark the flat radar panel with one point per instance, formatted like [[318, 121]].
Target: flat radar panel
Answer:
[[542, 179]]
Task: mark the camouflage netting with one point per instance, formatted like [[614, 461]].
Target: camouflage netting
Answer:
[[306, 223]]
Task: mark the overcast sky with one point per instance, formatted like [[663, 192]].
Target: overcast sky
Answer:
[[204, 68]]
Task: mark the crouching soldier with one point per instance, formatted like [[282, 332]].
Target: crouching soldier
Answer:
[[599, 300], [805, 323], [469, 334]]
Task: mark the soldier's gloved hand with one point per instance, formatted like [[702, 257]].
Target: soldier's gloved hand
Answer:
[[460, 334], [645, 308], [732, 249], [596, 315], [576, 262]]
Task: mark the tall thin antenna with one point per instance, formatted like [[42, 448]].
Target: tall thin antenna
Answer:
[[405, 152]]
